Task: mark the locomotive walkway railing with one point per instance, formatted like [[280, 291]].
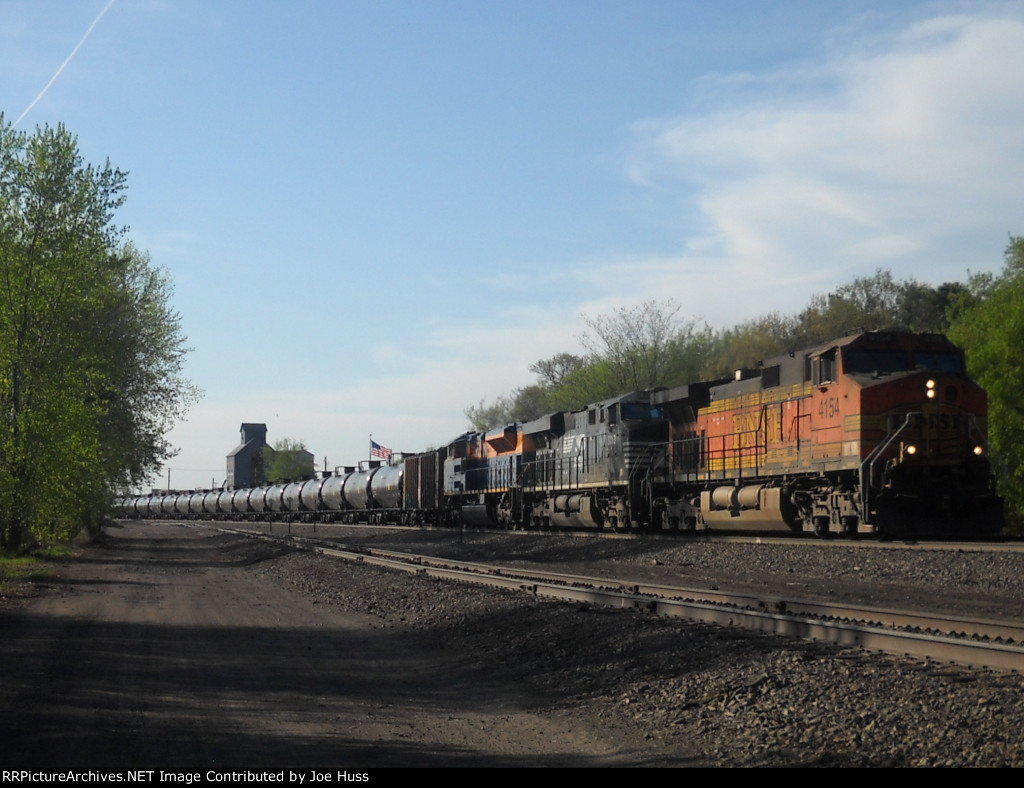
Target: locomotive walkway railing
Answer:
[[718, 457]]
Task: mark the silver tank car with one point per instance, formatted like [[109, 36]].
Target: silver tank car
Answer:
[[332, 493], [195, 504], [309, 495], [274, 498], [386, 487], [258, 500], [224, 502], [240, 501], [357, 489], [210, 503], [290, 497]]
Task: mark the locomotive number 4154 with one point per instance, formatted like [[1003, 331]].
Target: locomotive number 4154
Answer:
[[828, 407]]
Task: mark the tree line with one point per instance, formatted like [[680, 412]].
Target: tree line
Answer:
[[653, 344], [91, 352]]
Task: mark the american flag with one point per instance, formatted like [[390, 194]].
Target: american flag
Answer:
[[376, 450]]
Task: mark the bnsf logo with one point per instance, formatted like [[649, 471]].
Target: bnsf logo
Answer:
[[936, 421]]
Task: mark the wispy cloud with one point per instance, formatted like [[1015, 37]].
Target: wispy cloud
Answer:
[[67, 60]]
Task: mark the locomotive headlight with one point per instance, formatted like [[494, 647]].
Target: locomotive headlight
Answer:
[[930, 389], [911, 449], [978, 450]]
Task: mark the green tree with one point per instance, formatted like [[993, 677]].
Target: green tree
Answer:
[[289, 459], [988, 322], [552, 372], [90, 352], [873, 303], [635, 342], [639, 347], [523, 404], [749, 343]]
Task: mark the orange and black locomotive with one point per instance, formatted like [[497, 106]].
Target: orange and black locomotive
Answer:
[[879, 432]]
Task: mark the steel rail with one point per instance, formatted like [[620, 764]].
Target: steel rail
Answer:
[[725, 611], [803, 619], [1009, 632]]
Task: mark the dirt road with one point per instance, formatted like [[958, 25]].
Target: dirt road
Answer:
[[160, 648]]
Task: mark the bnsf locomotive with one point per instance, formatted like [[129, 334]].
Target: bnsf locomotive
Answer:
[[877, 433]]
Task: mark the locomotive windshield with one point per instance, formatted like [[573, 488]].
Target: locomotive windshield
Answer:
[[881, 361], [887, 361], [941, 362], [641, 411]]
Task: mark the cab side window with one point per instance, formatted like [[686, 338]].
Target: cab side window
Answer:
[[825, 368]]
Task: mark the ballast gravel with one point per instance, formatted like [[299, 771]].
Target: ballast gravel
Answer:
[[699, 694]]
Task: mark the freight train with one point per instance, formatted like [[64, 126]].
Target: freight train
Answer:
[[876, 433]]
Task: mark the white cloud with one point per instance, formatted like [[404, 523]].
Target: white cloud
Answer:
[[906, 154]]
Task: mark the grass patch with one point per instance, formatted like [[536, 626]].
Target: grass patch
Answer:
[[30, 568]]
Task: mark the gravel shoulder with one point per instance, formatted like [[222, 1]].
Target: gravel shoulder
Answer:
[[187, 645], [170, 647]]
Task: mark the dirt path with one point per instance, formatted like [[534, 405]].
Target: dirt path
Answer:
[[160, 649]]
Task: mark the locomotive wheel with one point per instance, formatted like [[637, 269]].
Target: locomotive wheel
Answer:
[[820, 526]]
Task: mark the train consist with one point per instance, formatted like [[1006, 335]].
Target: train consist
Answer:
[[876, 433]]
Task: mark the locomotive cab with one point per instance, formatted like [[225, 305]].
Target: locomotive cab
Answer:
[[922, 437]]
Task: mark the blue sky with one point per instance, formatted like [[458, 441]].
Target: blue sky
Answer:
[[378, 213]]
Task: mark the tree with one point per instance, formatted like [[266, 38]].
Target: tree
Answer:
[[290, 459], [523, 404], [749, 343], [553, 371], [989, 323], [639, 347], [635, 342], [873, 303], [91, 354], [646, 346]]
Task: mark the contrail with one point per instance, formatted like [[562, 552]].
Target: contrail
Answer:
[[63, 65]]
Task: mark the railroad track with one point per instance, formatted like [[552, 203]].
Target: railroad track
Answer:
[[991, 545], [997, 645]]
